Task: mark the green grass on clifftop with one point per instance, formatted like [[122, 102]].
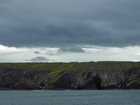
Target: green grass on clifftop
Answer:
[[58, 69]]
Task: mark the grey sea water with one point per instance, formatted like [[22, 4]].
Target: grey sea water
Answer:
[[70, 97]]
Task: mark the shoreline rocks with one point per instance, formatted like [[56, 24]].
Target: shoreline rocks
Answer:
[[106, 77]]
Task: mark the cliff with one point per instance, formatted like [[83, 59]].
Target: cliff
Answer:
[[74, 75]]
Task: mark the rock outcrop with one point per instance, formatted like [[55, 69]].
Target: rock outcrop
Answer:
[[93, 76], [23, 79], [100, 80]]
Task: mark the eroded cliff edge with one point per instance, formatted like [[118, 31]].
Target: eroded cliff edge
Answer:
[[85, 75]]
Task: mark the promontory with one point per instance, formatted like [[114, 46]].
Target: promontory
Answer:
[[72, 75]]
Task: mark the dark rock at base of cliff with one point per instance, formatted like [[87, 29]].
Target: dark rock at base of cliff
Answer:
[[23, 79], [76, 81], [68, 81], [92, 83], [108, 78], [132, 79]]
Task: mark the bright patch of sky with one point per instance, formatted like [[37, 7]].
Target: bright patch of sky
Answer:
[[46, 54]]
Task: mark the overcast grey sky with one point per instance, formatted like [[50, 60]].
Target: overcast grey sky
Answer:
[[70, 28]]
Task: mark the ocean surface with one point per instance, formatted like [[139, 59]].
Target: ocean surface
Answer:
[[70, 97]]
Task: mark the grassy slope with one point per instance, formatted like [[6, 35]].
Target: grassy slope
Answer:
[[58, 69]]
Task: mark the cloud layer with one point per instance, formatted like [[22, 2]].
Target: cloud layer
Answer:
[[69, 30], [92, 53], [64, 23]]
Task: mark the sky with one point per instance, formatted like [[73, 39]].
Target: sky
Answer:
[[69, 30]]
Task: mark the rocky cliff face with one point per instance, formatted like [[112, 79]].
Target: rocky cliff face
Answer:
[[23, 79], [100, 80], [103, 76]]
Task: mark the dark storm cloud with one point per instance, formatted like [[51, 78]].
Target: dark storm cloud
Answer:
[[67, 23], [71, 49]]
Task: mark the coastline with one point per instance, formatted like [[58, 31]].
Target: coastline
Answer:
[[70, 76]]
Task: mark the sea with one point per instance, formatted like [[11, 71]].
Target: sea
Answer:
[[70, 97]]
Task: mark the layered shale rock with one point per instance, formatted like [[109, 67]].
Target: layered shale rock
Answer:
[[88, 75]]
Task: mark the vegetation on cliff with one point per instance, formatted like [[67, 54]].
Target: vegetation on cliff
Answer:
[[60, 66], [111, 73]]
